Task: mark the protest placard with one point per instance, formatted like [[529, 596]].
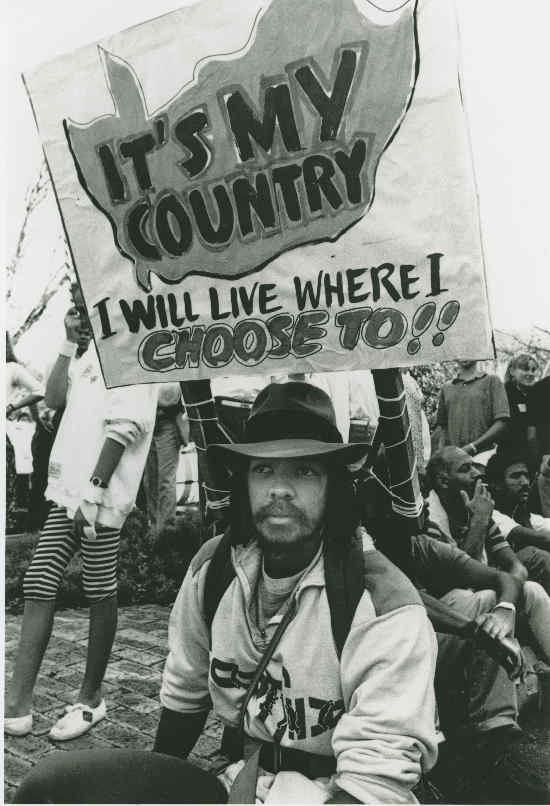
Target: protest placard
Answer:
[[257, 187]]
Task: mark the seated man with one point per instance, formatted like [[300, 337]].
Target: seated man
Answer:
[[477, 702], [528, 533], [461, 507], [356, 727]]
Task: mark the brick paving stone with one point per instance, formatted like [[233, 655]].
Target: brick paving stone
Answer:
[[140, 656], [28, 747], [42, 724], [73, 615], [129, 668], [149, 688], [119, 735], [131, 688], [15, 768], [89, 741], [152, 626], [71, 679], [70, 669], [55, 686], [137, 702], [50, 668], [142, 722], [142, 637], [136, 643], [42, 701], [9, 794], [68, 634]]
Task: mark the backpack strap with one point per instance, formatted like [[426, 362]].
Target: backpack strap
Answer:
[[219, 575], [346, 579], [345, 583]]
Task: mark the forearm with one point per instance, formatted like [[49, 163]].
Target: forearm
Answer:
[[177, 733], [523, 536], [490, 436], [56, 385], [109, 458], [509, 563], [445, 618], [508, 587], [474, 541], [29, 400]]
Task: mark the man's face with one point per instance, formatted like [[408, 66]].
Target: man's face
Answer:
[[85, 327], [287, 499], [516, 483], [462, 474], [78, 302]]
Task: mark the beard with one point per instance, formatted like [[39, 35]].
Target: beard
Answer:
[[297, 528]]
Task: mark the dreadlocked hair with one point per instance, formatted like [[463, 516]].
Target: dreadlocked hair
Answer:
[[341, 518]]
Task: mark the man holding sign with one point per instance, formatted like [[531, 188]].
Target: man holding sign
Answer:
[[94, 472], [306, 723]]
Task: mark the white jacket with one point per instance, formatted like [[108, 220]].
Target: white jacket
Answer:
[[92, 414], [374, 710]]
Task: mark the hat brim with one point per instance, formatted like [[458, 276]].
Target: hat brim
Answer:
[[342, 453]]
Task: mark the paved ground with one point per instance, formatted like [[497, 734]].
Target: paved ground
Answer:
[[131, 690]]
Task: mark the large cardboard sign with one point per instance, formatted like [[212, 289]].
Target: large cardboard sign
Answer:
[[263, 187]]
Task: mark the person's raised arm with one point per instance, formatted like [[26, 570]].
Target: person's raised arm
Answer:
[[57, 383], [480, 506]]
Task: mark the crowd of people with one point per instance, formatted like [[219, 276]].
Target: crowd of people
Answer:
[[339, 676]]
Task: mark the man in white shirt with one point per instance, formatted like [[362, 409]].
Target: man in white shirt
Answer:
[[528, 533]]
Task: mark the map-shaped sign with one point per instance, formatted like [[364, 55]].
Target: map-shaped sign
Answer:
[[266, 149]]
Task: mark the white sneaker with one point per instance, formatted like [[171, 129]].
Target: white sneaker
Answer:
[[78, 720], [18, 725]]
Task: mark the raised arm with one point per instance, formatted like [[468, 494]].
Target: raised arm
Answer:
[[57, 383], [480, 506]]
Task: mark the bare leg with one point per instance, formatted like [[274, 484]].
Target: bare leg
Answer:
[[35, 634], [103, 622]]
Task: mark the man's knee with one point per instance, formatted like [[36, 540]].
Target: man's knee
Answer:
[[533, 595], [537, 562], [470, 603]]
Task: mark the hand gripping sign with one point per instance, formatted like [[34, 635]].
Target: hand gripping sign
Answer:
[[282, 184]]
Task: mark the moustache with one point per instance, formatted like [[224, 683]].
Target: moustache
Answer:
[[279, 510]]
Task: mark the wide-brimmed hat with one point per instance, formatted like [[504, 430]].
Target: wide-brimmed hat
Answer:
[[291, 420]]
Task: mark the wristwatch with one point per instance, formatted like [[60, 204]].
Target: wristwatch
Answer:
[[95, 481]]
